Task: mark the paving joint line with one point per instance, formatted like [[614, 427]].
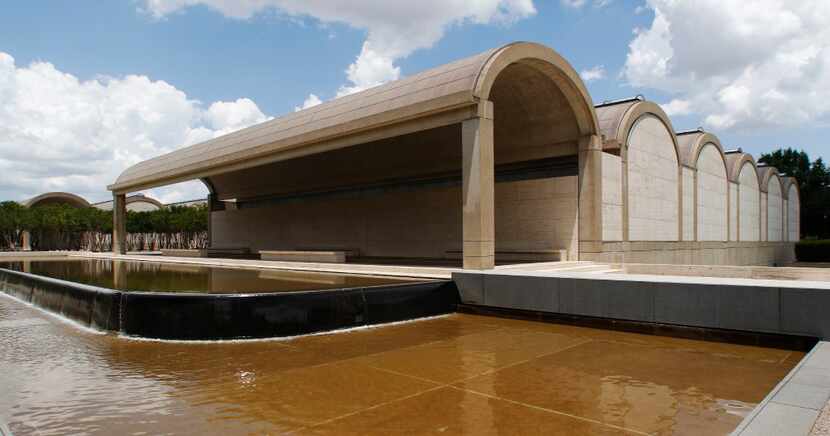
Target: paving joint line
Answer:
[[357, 412], [556, 412]]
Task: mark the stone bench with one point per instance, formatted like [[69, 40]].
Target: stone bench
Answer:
[[322, 256], [519, 255], [180, 252], [227, 252]]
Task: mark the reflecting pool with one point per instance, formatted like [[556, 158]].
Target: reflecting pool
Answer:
[[171, 277], [457, 374]]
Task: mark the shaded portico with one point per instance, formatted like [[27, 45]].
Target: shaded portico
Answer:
[[414, 168]]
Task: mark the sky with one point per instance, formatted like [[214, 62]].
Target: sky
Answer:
[[88, 88]]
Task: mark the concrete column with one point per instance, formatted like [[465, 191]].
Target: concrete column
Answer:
[[590, 193], [478, 184], [26, 240], [119, 224], [211, 199]]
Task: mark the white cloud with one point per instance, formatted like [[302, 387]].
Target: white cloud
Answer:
[[310, 101], [58, 133], [677, 107], [591, 74], [576, 4], [394, 28], [738, 66]]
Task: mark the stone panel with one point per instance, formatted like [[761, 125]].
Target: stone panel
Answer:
[[652, 182], [711, 196], [749, 308], [691, 305], [521, 292], [749, 204], [793, 215], [612, 196]]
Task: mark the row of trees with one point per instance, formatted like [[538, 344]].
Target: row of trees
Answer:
[[813, 181], [62, 227]]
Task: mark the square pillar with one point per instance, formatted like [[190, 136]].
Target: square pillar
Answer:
[[590, 193], [119, 224], [26, 240], [478, 179]]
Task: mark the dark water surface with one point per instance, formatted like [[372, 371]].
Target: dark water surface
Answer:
[[459, 374], [168, 277]]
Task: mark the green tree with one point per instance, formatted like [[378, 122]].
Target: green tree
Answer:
[[62, 227], [813, 181]]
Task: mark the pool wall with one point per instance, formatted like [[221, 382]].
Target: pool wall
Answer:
[[776, 307], [185, 316]]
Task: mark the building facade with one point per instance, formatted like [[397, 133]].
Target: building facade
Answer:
[[499, 157]]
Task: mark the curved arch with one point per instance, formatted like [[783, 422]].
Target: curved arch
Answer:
[[549, 62], [57, 198], [787, 183], [209, 185], [619, 125], [765, 173], [735, 163], [692, 144], [140, 198]]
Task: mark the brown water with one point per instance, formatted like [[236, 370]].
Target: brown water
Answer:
[[460, 374], [169, 277]]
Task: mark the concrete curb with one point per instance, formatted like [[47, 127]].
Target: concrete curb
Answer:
[[795, 404]]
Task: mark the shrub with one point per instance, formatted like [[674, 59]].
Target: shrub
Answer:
[[813, 250]]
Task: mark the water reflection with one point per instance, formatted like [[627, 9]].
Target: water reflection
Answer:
[[168, 277]]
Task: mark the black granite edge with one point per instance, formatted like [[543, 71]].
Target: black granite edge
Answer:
[[249, 316], [738, 337], [90, 306], [75, 285], [191, 316]]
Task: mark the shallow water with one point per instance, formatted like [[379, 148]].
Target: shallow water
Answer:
[[458, 374], [169, 277]]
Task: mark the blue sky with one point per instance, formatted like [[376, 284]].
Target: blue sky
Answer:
[[277, 55]]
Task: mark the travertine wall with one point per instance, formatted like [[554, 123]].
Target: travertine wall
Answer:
[[774, 210], [793, 215], [733, 211], [711, 196], [652, 182], [688, 203], [693, 253], [539, 214], [749, 204], [612, 198]]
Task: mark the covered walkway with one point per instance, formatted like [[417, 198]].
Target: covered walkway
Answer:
[[493, 155]]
